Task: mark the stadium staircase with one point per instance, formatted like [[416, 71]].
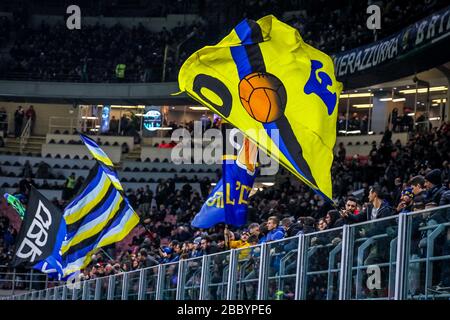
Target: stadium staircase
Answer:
[[33, 145], [133, 155]]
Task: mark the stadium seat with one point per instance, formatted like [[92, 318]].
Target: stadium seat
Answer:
[[84, 158], [67, 156], [127, 169], [136, 170], [75, 167], [57, 166], [66, 166], [151, 180], [17, 164], [58, 156], [349, 143], [76, 157], [85, 168], [124, 179], [106, 143], [154, 170], [52, 141], [147, 159], [145, 170], [115, 144], [61, 142], [142, 180], [5, 185], [48, 155]]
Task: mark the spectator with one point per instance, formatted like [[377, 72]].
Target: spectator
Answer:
[[433, 184], [291, 227], [18, 121], [3, 121], [376, 209], [417, 184], [406, 203], [276, 232], [351, 208], [69, 187], [31, 116], [120, 72], [145, 260]]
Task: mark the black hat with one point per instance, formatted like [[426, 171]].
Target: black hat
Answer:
[[434, 176]]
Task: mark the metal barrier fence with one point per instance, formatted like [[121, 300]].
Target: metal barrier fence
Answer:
[[406, 256]]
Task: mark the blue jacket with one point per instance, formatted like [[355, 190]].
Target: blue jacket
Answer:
[[275, 234]]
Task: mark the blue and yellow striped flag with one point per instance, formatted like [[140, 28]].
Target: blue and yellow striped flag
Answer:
[[102, 158], [279, 91], [98, 216]]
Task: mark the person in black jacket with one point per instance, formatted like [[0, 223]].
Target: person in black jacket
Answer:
[[417, 184], [435, 189], [378, 208], [291, 227]]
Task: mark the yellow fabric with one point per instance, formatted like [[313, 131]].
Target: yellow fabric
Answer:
[[84, 210], [289, 58], [238, 244], [80, 236]]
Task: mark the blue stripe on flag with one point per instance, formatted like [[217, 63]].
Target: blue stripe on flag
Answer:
[[83, 252], [91, 186]]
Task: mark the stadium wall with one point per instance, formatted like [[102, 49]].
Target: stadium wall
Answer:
[[155, 24]]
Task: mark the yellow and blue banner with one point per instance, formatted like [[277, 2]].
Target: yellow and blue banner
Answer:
[[103, 159], [228, 202], [279, 91]]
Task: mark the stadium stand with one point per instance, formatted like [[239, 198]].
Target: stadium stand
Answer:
[[294, 244]]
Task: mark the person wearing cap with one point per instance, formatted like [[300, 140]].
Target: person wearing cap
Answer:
[[433, 184], [406, 201]]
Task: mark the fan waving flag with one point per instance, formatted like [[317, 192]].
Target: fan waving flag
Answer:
[[228, 202], [279, 91]]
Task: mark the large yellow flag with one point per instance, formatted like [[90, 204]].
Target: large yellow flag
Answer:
[[279, 91]]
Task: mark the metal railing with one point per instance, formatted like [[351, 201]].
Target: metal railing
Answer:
[[25, 135], [399, 257]]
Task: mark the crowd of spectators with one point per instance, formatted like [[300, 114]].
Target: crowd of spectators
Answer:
[[93, 53], [96, 52], [396, 179]]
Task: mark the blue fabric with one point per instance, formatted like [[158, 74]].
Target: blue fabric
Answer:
[[275, 234], [216, 209]]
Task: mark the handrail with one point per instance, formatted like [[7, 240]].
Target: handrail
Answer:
[[25, 135], [363, 244]]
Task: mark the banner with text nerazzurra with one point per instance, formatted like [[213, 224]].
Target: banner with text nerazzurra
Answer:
[[408, 45]]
